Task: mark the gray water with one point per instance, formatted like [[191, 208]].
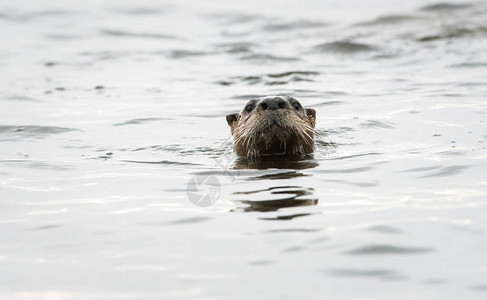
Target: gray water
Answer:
[[108, 110]]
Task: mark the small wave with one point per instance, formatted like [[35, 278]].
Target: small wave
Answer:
[[232, 18], [339, 130], [387, 249], [224, 82], [47, 227], [236, 48], [357, 184], [286, 74], [294, 230], [470, 65], [445, 6], [382, 274], [452, 32], [140, 11], [271, 79], [385, 229], [265, 58], [140, 121], [38, 165], [479, 288], [62, 37], [434, 281], [326, 103], [246, 97], [176, 54], [31, 131], [277, 82], [22, 17], [447, 171], [293, 79], [122, 33], [345, 47], [105, 55], [473, 83], [356, 155], [169, 148], [345, 171], [251, 79], [161, 162], [294, 25], [377, 124], [423, 169], [389, 19], [18, 98]]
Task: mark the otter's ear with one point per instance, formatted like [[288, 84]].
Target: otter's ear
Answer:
[[311, 114], [232, 118]]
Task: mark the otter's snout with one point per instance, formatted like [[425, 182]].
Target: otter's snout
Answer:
[[272, 104]]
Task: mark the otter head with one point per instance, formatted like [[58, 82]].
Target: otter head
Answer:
[[273, 126]]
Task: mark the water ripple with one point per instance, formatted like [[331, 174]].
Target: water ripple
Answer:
[[387, 249], [30, 16], [141, 121], [162, 162], [385, 229], [445, 6], [447, 171], [383, 274], [344, 47], [294, 196], [451, 32], [267, 58], [293, 25], [15, 132], [389, 19], [140, 11], [123, 33]]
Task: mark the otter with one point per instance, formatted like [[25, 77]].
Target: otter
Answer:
[[273, 126]]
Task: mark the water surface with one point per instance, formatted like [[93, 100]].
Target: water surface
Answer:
[[109, 110]]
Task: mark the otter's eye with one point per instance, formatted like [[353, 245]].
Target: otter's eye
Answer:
[[249, 108], [296, 105]]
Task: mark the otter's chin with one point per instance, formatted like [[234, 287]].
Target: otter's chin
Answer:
[[275, 149], [274, 140]]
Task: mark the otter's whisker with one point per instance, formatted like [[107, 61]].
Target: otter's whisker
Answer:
[[226, 140], [321, 138]]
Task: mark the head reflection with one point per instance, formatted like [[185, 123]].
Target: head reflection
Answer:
[[292, 163], [296, 196], [273, 197]]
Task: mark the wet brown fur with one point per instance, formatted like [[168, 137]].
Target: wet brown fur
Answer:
[[272, 132]]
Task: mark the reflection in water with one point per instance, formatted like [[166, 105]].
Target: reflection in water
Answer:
[[294, 195], [295, 199], [288, 218], [296, 163], [284, 175]]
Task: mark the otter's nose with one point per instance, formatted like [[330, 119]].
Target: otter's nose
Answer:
[[272, 103]]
